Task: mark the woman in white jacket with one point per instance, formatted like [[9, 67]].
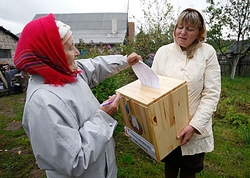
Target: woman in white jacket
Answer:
[[194, 61], [70, 133]]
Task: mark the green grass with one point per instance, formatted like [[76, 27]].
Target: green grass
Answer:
[[230, 158], [16, 158]]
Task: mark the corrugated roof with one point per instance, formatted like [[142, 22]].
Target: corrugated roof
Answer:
[[96, 27]]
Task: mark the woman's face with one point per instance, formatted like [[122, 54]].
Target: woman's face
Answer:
[[71, 53], [185, 35]]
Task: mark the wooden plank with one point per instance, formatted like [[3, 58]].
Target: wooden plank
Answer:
[[158, 114], [137, 91], [172, 115]]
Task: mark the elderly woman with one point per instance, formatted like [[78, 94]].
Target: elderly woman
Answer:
[[70, 133], [190, 59]]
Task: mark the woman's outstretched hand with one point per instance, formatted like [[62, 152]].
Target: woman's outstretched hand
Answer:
[[133, 58]]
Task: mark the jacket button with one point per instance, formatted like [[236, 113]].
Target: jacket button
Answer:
[[110, 124]]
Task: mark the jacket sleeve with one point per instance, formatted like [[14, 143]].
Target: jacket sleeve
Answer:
[[59, 144], [210, 94], [101, 67]]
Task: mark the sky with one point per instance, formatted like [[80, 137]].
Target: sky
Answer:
[[14, 14]]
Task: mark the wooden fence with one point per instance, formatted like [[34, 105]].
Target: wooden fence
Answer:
[[242, 70]]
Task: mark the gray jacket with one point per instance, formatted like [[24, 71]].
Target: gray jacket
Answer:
[[69, 134]]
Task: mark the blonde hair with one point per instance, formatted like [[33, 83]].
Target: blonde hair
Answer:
[[194, 17]]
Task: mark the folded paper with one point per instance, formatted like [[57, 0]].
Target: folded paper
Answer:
[[146, 75]]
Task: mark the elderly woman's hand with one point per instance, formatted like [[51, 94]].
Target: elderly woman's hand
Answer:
[[133, 58], [111, 107], [125, 132]]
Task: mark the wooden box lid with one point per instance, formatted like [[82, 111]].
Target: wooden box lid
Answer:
[[147, 95]]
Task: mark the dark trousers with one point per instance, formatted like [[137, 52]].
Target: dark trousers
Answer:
[[188, 165]]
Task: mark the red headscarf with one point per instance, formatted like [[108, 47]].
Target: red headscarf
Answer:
[[40, 51]]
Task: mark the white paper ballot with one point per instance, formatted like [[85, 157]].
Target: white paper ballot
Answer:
[[146, 75]]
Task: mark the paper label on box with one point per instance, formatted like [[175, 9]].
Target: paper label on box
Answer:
[[141, 142]]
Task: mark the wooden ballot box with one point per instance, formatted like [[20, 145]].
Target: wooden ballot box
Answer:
[[153, 117]]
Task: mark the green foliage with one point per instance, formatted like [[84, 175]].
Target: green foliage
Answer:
[[125, 49], [229, 21], [150, 43], [144, 45], [231, 120], [156, 27], [157, 16], [234, 104], [108, 86], [245, 129], [127, 159], [229, 159], [16, 158], [92, 50]]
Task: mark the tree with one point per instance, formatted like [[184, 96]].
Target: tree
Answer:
[[156, 27], [232, 21]]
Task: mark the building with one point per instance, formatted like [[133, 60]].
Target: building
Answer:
[[105, 28], [8, 42], [243, 65]]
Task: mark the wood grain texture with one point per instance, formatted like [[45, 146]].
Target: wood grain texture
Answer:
[[157, 115]]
